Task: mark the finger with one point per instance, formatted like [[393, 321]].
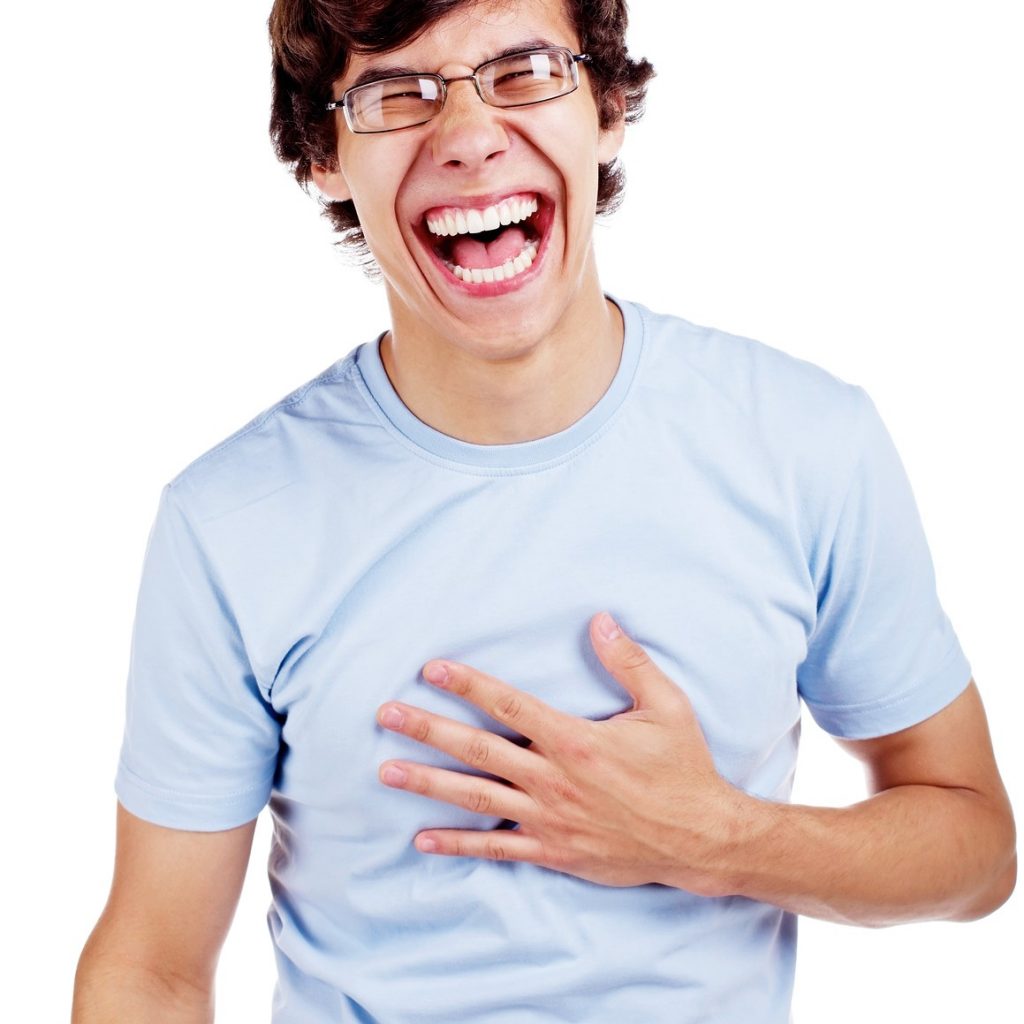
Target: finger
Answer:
[[630, 664], [498, 844], [481, 796], [474, 747], [520, 711]]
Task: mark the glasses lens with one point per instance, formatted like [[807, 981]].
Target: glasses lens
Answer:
[[393, 103], [528, 78]]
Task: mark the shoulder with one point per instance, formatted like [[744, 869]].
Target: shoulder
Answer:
[[753, 412], [790, 406], [275, 449], [752, 376]]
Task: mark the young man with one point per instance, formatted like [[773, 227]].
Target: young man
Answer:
[[574, 821]]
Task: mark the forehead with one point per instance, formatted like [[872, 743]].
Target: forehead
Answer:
[[470, 34]]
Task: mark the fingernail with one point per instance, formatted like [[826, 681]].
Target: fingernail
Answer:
[[426, 845], [393, 775], [436, 673], [393, 718], [607, 627]]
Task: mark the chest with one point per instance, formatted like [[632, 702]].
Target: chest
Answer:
[[700, 568]]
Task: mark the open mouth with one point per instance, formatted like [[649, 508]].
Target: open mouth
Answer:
[[492, 244]]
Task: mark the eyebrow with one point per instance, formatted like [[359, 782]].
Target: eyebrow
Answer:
[[377, 72]]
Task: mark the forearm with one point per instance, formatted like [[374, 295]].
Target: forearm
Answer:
[[909, 853], [111, 989]]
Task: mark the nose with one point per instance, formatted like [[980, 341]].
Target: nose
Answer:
[[468, 132]]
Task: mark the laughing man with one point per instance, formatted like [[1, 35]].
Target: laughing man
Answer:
[[511, 612]]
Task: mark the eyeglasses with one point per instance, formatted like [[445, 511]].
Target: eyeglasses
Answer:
[[404, 101]]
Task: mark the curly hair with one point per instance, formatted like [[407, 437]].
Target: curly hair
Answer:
[[312, 39]]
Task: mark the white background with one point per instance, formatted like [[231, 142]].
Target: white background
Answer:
[[838, 180]]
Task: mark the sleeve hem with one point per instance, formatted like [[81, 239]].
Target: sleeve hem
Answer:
[[867, 721], [190, 812]]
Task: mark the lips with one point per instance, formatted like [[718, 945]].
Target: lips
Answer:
[[488, 245]]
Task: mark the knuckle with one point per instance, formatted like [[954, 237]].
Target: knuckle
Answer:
[[556, 857], [420, 730], [563, 789], [480, 801], [476, 752], [634, 657], [495, 851], [580, 747], [510, 707]]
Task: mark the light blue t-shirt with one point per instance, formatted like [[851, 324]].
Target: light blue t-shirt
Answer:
[[742, 513]]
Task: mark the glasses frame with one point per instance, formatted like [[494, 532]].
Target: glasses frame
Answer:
[[443, 83]]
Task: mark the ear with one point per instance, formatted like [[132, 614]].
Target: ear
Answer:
[[610, 139], [331, 183]]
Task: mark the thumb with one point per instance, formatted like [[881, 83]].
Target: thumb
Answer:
[[628, 662]]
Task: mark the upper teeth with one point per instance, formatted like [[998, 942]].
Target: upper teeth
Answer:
[[457, 221]]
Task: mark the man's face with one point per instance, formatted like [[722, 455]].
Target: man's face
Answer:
[[541, 158]]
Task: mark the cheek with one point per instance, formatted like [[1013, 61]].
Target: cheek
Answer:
[[373, 171], [378, 217], [581, 179]]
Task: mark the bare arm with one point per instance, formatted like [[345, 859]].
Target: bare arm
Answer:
[[936, 841], [152, 955]]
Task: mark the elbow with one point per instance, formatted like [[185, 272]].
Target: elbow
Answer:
[[115, 982], [997, 893], [993, 897], [1002, 879], [1008, 883]]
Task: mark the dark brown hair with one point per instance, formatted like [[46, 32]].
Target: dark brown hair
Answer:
[[311, 41]]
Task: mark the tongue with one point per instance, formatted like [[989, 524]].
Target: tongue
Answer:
[[471, 254]]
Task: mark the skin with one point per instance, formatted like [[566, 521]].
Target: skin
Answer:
[[636, 799], [152, 955], [504, 369], [496, 370], [153, 952], [631, 800]]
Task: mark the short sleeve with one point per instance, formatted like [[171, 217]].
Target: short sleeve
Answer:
[[201, 742], [882, 655]]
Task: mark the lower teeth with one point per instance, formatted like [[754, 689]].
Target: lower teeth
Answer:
[[508, 270]]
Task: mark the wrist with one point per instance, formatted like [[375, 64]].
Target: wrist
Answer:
[[714, 863]]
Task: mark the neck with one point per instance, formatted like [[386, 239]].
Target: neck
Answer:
[[508, 388]]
